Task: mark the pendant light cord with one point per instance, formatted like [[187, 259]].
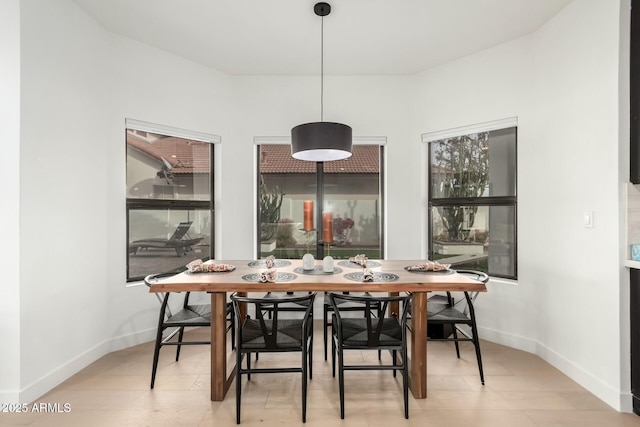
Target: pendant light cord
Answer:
[[322, 68]]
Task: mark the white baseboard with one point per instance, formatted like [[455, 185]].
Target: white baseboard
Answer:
[[55, 377], [503, 338], [615, 398], [601, 390], [626, 402]]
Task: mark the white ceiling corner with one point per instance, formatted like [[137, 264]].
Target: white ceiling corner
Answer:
[[282, 37]]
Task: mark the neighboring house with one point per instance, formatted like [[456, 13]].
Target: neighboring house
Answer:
[[166, 167], [358, 199]]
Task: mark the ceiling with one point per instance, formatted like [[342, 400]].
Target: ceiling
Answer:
[[361, 37]]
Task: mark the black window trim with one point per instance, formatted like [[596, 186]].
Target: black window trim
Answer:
[[163, 204], [506, 201], [320, 248]]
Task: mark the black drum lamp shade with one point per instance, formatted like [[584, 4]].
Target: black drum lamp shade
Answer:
[[321, 141]]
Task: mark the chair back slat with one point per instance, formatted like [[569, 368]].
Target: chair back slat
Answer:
[[375, 327], [181, 231], [270, 335], [162, 297], [470, 298], [272, 305], [373, 334]]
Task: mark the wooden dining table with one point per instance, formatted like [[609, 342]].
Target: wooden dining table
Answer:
[[390, 276]]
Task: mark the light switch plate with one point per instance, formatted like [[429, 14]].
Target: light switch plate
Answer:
[[587, 219]]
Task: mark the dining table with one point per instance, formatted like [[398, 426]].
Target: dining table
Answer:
[[389, 276]]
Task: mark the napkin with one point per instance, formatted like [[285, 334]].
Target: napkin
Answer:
[[197, 266], [270, 260], [429, 266], [270, 275], [359, 259], [367, 275]]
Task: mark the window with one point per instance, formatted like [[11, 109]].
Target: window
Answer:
[[472, 198], [169, 198], [350, 189]]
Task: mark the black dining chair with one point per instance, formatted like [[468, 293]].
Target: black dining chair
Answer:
[[344, 306], [290, 306], [450, 315], [188, 316], [273, 335], [370, 333]]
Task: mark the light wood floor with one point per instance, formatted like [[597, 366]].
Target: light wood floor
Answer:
[[521, 390]]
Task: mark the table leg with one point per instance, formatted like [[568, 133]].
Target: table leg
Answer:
[[219, 381], [394, 307], [418, 367]]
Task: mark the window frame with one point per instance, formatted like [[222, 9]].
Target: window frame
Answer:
[[505, 201], [132, 204], [320, 196]]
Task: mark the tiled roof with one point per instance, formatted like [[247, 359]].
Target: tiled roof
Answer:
[[189, 157], [193, 157], [277, 159]]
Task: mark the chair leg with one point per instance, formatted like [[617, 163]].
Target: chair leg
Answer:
[[249, 365], [341, 380], [380, 351], [179, 347], [238, 385], [232, 319], [394, 354], [405, 382], [310, 351], [476, 343], [156, 356], [325, 326], [304, 381], [333, 356], [455, 337]]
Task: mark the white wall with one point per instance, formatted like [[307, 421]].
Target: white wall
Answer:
[[10, 212], [79, 83], [562, 84], [576, 99], [63, 177], [624, 119]]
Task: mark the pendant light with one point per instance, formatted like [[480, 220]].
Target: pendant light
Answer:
[[321, 141]]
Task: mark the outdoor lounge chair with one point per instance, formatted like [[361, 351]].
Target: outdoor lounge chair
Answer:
[[179, 241]]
